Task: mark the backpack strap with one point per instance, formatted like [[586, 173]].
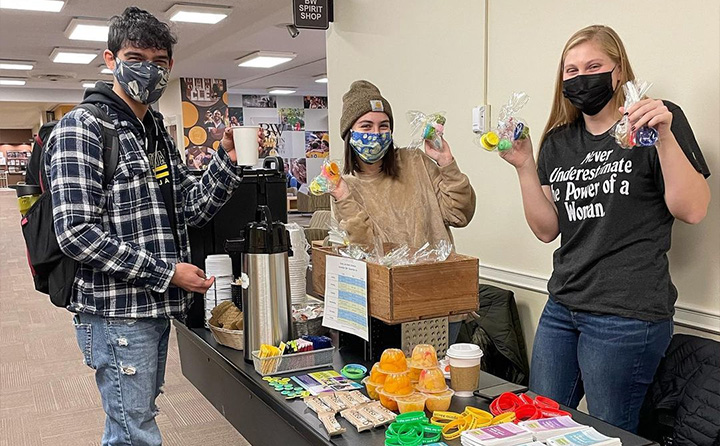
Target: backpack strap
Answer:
[[110, 141]]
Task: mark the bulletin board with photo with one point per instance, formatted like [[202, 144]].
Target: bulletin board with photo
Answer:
[[205, 117], [294, 128]]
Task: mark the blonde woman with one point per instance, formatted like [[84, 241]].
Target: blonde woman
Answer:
[[608, 320]]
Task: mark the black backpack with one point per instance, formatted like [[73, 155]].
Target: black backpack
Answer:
[[53, 271]]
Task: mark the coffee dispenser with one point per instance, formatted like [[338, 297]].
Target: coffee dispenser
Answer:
[[264, 248]]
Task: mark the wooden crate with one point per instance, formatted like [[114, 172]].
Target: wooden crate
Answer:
[[407, 293]]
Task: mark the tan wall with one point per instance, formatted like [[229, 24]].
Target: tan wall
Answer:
[[428, 57], [61, 110], [170, 105]]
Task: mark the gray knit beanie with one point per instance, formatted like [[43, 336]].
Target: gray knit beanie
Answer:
[[363, 97]]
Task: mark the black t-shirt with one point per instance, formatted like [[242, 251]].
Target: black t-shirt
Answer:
[[157, 153], [614, 224]]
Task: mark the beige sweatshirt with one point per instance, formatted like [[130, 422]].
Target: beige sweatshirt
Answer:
[[417, 207]]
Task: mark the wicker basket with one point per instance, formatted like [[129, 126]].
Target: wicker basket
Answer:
[[312, 327], [229, 338]]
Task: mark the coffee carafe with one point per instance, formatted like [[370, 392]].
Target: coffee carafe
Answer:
[[264, 249]]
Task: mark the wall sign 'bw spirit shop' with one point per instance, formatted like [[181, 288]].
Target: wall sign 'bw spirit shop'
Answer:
[[312, 14]]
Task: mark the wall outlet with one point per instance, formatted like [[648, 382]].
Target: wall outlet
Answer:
[[480, 118]]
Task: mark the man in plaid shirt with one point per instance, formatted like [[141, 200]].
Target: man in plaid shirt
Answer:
[[130, 236]]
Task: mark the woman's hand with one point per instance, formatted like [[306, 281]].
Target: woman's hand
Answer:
[[442, 156], [228, 143], [341, 191], [650, 112], [521, 153]]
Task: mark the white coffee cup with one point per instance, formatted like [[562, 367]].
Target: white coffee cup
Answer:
[[246, 144], [465, 360]]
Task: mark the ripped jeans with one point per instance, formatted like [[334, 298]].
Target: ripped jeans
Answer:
[[129, 357]]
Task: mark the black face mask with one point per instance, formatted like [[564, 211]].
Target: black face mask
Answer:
[[589, 92]]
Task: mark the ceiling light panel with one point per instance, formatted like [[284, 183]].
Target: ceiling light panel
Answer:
[[282, 90], [209, 15], [16, 65], [72, 56], [265, 59], [33, 5], [9, 81], [87, 29]]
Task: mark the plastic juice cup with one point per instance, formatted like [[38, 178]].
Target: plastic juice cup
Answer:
[[439, 401], [397, 384], [432, 381], [423, 357], [414, 374], [376, 375], [392, 361], [386, 400], [415, 402], [371, 388]]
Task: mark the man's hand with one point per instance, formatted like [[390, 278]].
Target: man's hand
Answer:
[[191, 278]]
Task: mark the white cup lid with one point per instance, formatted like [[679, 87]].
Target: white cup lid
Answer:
[[464, 351]]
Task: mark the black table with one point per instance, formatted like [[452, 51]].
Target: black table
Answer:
[[264, 417]]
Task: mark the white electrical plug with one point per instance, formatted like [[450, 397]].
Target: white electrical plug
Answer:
[[480, 118]]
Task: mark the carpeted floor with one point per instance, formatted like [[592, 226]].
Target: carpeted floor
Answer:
[[47, 395]]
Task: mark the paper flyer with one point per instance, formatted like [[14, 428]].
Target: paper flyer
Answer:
[[346, 307], [328, 381]]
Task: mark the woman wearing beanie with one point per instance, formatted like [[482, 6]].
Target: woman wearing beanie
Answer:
[[395, 195]]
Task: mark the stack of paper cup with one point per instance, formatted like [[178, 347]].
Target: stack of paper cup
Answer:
[[298, 264], [220, 266]]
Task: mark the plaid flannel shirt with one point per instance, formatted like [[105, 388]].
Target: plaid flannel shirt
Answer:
[[121, 234]]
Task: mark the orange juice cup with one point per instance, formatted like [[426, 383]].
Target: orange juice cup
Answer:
[[371, 388], [432, 381], [392, 361], [387, 400], [439, 401], [415, 402], [423, 357], [376, 375], [398, 384]]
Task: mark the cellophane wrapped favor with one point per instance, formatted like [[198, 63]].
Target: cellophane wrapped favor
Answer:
[[509, 127]]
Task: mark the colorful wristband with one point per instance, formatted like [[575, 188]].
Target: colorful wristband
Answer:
[[507, 402], [544, 402], [506, 417], [453, 429], [354, 372]]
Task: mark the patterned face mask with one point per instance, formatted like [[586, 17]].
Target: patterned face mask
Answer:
[[144, 81], [370, 147]]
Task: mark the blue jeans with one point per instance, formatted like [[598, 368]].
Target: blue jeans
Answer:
[[129, 357], [610, 359]]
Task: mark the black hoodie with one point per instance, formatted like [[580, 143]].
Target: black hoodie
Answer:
[[150, 136]]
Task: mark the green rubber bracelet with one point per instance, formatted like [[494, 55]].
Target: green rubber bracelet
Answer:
[[412, 438], [432, 429], [411, 417], [354, 372], [434, 438], [396, 429]]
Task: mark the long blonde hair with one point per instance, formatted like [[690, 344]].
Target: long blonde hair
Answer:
[[562, 111]]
